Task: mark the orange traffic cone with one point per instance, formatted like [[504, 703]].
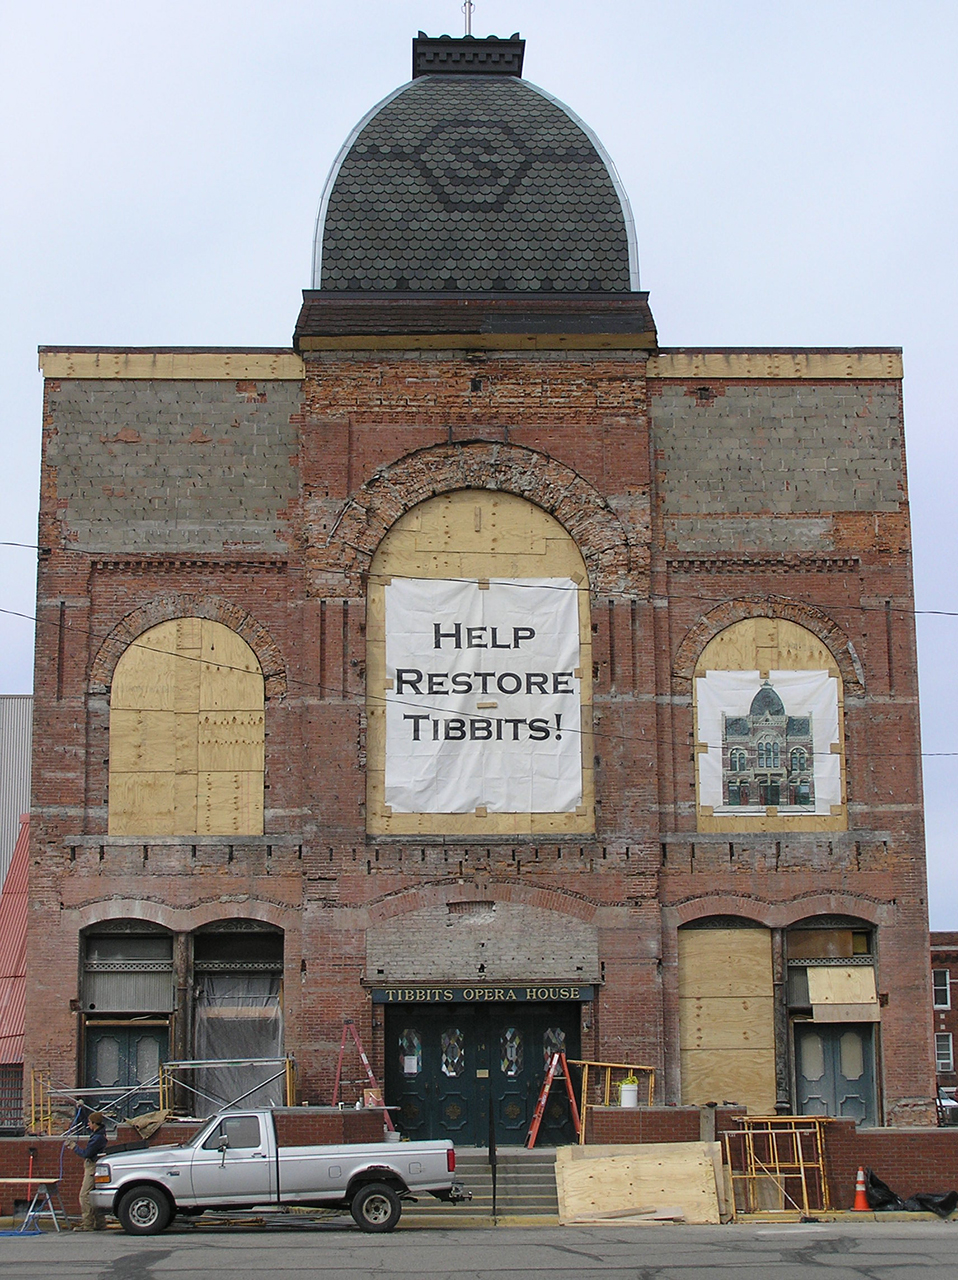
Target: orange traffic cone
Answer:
[[861, 1204]]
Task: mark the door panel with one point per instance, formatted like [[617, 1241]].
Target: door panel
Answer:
[[446, 1067], [118, 1058], [835, 1071], [243, 1172]]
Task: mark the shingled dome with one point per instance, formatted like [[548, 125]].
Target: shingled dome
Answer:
[[766, 703], [471, 179]]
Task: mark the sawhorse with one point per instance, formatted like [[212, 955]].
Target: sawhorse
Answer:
[[41, 1205]]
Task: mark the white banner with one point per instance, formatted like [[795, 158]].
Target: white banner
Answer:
[[483, 703], [804, 735]]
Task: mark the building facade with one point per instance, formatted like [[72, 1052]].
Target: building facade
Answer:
[[479, 669], [944, 1003]]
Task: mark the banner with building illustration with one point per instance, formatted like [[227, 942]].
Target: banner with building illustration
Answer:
[[768, 743], [483, 696]]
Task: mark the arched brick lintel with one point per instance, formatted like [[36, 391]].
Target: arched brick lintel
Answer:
[[179, 605], [805, 615], [778, 915], [181, 919], [403, 903], [581, 510]]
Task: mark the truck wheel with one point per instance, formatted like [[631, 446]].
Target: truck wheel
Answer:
[[375, 1207], [144, 1211]]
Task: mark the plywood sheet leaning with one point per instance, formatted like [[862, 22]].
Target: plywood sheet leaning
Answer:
[[651, 1178]]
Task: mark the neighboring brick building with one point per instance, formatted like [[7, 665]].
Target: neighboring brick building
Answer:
[[944, 1002], [272, 787]]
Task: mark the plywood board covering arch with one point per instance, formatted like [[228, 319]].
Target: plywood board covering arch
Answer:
[[187, 734]]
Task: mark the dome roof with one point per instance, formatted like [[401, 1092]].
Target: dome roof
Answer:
[[767, 702], [472, 183]]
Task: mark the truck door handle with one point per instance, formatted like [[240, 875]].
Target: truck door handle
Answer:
[[258, 1155]]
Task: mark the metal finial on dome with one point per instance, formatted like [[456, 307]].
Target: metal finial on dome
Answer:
[[467, 9]]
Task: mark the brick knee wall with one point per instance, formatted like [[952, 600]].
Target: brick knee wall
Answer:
[[909, 1160]]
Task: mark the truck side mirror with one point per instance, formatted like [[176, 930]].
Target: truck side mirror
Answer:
[[222, 1147]]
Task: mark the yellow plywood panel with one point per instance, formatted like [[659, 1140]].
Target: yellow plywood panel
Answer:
[[765, 644], [745, 1076], [146, 675], [776, 364], [230, 740], [143, 740], [674, 1174], [175, 769], [725, 963], [472, 534], [726, 1016], [263, 366], [230, 675], [836, 984], [141, 804], [230, 803], [184, 803], [732, 1022]]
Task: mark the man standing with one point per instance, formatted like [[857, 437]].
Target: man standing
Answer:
[[90, 1220]]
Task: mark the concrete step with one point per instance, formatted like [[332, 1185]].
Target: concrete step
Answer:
[[525, 1188]]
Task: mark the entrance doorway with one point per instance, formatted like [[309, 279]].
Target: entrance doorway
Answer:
[[446, 1068], [120, 1056], [835, 1070]]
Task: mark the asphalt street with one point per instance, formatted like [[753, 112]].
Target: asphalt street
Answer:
[[337, 1251]]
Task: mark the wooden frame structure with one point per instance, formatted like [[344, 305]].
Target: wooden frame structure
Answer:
[[776, 1166], [606, 1089]]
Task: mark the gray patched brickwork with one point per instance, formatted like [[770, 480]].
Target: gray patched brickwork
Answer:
[[782, 449], [504, 942], [744, 535], [147, 466]]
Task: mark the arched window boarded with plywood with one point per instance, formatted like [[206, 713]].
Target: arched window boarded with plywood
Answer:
[[727, 1015], [768, 731], [187, 734], [479, 672]]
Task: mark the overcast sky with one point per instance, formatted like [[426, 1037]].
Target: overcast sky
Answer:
[[792, 169]]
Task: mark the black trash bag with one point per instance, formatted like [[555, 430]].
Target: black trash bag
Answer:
[[925, 1202], [879, 1194]]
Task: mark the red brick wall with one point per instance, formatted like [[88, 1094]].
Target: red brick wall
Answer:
[[377, 434], [908, 1160]]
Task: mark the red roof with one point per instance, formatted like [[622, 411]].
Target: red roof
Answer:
[[13, 949]]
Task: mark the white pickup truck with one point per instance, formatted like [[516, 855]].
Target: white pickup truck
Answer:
[[245, 1160]]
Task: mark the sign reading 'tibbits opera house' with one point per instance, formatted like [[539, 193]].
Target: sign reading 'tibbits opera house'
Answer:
[[483, 696]]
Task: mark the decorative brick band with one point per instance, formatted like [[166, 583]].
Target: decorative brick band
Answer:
[[778, 915], [767, 564], [805, 615], [556, 488], [178, 605]]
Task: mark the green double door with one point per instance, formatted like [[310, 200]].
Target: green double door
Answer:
[[122, 1056], [448, 1068]]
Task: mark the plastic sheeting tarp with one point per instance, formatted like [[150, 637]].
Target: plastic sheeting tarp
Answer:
[[239, 1015]]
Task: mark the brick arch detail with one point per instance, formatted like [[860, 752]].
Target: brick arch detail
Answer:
[[778, 915], [559, 490], [804, 615], [408, 900], [184, 919], [178, 605]]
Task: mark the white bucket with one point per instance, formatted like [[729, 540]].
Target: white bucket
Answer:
[[392, 1135], [628, 1095]]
